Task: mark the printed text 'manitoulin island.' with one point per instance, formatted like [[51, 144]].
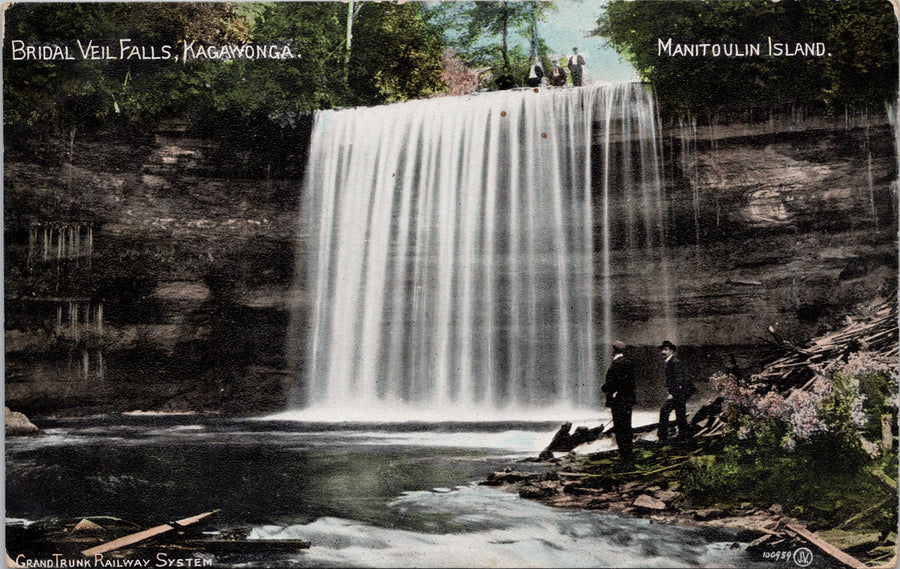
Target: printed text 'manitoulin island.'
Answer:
[[768, 48]]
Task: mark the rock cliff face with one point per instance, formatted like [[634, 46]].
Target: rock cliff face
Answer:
[[786, 224], [157, 273]]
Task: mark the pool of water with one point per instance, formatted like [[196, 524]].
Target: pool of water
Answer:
[[363, 494]]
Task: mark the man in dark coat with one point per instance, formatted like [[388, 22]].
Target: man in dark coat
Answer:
[[576, 67], [557, 75], [680, 389], [619, 390], [505, 80], [535, 74]]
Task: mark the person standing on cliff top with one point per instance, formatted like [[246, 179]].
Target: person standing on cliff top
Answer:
[[535, 74], [505, 79], [619, 390], [557, 74], [680, 389], [576, 67]]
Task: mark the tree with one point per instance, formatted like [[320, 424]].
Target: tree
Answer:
[[72, 95], [860, 36], [394, 57], [480, 33]]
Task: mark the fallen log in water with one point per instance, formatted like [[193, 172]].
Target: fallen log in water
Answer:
[[564, 441], [134, 538]]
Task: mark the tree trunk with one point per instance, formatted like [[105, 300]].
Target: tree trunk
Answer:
[[504, 20]]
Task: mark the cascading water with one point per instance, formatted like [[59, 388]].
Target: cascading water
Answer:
[[59, 240], [449, 249]]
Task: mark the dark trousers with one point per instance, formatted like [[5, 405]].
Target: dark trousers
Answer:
[[621, 416], [678, 405]]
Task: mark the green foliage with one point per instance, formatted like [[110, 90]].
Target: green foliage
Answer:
[[879, 390], [79, 93], [860, 36], [491, 34], [394, 57], [397, 57], [799, 481], [805, 452]]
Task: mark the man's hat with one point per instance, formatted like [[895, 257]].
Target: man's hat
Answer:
[[668, 344]]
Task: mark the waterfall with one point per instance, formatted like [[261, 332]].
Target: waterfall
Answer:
[[56, 241], [78, 319], [448, 248]]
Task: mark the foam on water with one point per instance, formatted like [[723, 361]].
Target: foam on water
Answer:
[[498, 529]]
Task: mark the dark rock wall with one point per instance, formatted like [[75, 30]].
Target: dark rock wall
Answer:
[[179, 302], [178, 297]]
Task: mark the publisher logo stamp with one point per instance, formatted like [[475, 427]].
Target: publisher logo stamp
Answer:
[[803, 556]]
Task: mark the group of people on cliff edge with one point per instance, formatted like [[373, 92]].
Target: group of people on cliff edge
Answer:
[[620, 397], [557, 77]]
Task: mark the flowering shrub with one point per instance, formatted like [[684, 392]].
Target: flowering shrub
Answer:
[[802, 449], [457, 76], [838, 405]]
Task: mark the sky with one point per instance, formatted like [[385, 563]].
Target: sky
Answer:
[[568, 26]]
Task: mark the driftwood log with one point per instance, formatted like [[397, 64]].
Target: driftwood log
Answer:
[[142, 535], [565, 441], [705, 421]]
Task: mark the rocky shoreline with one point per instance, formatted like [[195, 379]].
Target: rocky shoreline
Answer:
[[598, 481], [565, 484]]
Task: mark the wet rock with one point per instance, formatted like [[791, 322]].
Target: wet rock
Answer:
[[550, 475], [87, 525], [537, 492], [18, 424], [505, 477], [567, 475], [596, 503], [578, 489], [649, 502], [708, 514], [666, 495]]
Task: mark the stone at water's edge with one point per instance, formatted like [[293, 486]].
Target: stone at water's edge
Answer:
[[649, 502], [18, 424]]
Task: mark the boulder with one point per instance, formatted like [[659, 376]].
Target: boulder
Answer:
[[503, 477], [708, 514], [649, 502], [87, 525], [538, 492], [17, 424], [665, 495]]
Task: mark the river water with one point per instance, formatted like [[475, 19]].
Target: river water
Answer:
[[364, 495]]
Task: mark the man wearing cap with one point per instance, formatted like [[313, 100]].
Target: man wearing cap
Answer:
[[619, 390], [680, 389], [576, 67]]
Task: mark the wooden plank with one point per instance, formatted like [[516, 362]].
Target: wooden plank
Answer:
[[133, 538], [831, 550]]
